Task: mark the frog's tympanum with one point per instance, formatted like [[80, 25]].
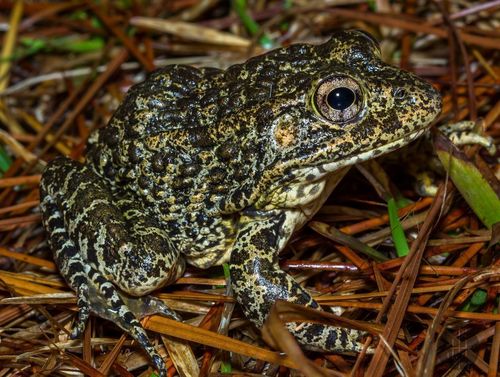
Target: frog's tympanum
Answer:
[[207, 166]]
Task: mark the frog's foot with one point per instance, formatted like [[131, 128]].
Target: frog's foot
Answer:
[[329, 338], [83, 313], [466, 133], [425, 183], [101, 297], [257, 282], [149, 305]]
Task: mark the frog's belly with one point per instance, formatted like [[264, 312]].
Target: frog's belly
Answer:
[[207, 244], [209, 257], [308, 210]]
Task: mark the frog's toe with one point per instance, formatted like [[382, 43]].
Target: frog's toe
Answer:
[[321, 338], [149, 305], [464, 125], [466, 133], [472, 138], [138, 333], [159, 365], [114, 307], [83, 313], [101, 297], [120, 313]]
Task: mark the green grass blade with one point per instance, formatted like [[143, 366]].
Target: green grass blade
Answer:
[[473, 186], [240, 7], [5, 160], [398, 234]]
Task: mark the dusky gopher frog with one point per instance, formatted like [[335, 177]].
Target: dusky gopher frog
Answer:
[[208, 166]]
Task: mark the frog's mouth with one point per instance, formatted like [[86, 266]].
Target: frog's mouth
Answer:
[[373, 153], [317, 170]]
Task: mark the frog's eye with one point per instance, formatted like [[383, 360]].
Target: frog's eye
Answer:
[[338, 99]]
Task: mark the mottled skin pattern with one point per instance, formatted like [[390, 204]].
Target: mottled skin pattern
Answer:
[[209, 166]]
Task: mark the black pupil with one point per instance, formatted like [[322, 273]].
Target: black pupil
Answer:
[[340, 98]]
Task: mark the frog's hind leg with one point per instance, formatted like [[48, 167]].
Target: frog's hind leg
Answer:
[[258, 282], [93, 242], [87, 281]]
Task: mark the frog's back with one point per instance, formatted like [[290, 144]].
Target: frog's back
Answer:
[[185, 97], [183, 122]]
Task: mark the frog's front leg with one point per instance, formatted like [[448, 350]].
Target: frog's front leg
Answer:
[[108, 248], [258, 282]]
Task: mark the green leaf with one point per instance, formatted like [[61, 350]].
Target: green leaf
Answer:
[[479, 297], [402, 202], [79, 15], [398, 234], [240, 7], [475, 301], [5, 160], [372, 4], [63, 44], [225, 367], [225, 267], [33, 43], [70, 44], [123, 4], [473, 186]]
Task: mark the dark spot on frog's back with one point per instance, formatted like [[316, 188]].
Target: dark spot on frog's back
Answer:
[[158, 162], [227, 151], [210, 97], [181, 183], [268, 71], [189, 170], [217, 175], [186, 77], [296, 51], [109, 135], [116, 156], [264, 114], [199, 137], [240, 173], [171, 119], [345, 147], [135, 151], [234, 102], [109, 171], [232, 73], [145, 182], [254, 151]]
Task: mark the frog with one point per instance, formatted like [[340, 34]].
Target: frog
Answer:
[[205, 166]]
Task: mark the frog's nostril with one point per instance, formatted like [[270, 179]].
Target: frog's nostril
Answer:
[[399, 94]]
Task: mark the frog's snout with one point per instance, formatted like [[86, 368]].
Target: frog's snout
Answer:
[[422, 102], [436, 99], [432, 101]]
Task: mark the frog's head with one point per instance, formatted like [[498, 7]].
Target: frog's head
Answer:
[[343, 106]]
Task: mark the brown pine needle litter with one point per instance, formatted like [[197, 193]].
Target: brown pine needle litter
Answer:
[[65, 67]]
